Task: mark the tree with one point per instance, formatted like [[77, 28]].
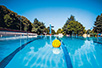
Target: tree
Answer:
[[71, 18], [53, 31], [10, 19], [38, 27], [88, 31], [98, 24], [47, 30], [72, 26], [59, 31]]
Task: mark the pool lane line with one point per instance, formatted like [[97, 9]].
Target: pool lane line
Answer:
[[87, 38], [7, 59], [66, 54], [97, 42]]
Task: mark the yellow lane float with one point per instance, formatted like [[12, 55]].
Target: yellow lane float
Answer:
[[56, 43]]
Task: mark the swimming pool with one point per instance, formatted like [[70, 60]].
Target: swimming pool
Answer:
[[7, 46], [84, 52], [39, 53]]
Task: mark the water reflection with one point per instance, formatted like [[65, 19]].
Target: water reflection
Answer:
[[72, 44], [39, 54], [56, 50], [49, 39], [44, 57], [85, 56], [84, 53]]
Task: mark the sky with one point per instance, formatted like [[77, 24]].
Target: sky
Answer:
[[56, 12]]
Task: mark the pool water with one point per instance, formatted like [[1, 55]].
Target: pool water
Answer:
[[39, 54], [83, 53], [8, 46]]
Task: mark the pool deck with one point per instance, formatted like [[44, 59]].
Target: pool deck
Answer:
[[17, 37]]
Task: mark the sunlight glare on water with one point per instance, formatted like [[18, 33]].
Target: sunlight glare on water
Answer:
[[84, 53], [37, 55]]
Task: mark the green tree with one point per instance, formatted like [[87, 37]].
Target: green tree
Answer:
[[59, 31], [38, 27], [89, 31], [10, 19], [53, 31], [71, 18], [72, 26], [47, 30], [98, 24]]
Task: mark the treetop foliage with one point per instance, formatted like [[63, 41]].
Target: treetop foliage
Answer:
[[72, 26], [98, 24], [11, 20]]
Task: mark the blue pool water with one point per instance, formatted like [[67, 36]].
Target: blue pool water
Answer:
[[39, 54], [83, 53], [8, 46]]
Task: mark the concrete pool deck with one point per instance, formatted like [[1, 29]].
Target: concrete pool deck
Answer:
[[17, 37], [10, 33]]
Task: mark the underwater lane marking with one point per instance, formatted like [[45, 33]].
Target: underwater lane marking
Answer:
[[7, 59], [66, 54]]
